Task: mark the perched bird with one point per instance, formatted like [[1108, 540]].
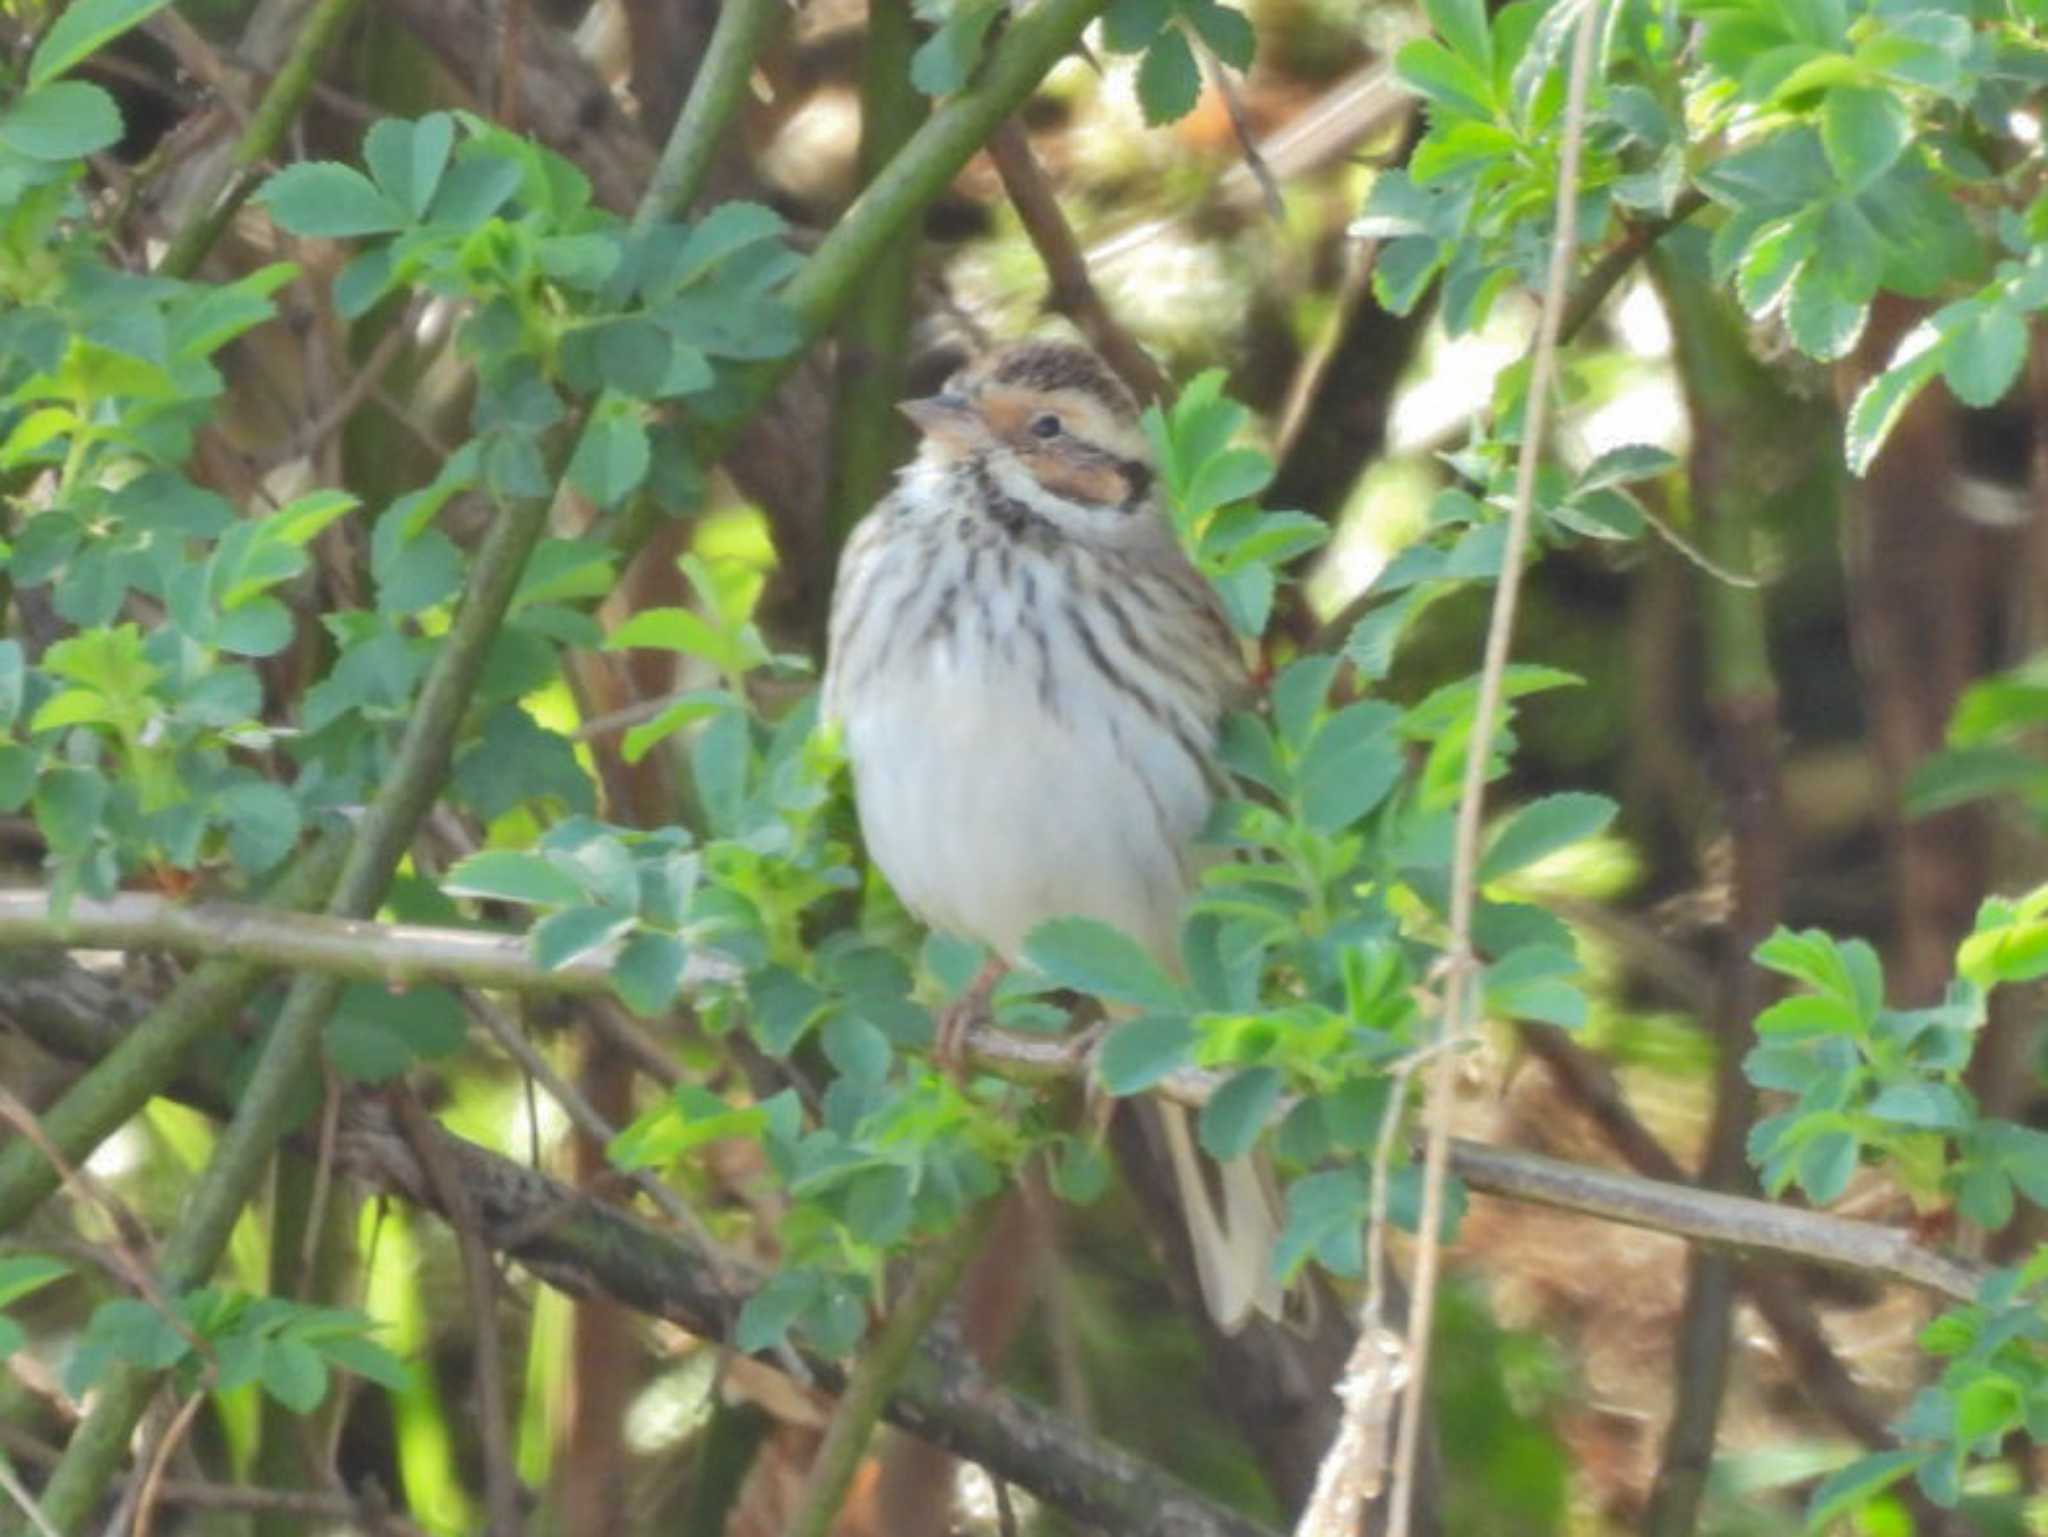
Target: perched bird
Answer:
[[1029, 675]]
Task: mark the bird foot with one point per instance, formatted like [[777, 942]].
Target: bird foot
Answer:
[[958, 1018]]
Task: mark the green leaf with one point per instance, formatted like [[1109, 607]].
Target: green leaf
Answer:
[[1238, 1111], [1227, 31], [377, 1033], [1864, 131], [1091, 957], [1463, 25], [61, 122], [612, 456], [1543, 827], [1140, 1052], [21, 1274], [1934, 1106], [1235, 475], [82, 30], [1825, 1164], [263, 824], [320, 197], [1851, 1488], [507, 876], [1441, 77], [649, 972], [294, 1375], [728, 229], [407, 159], [1351, 764], [1631, 461], [856, 1048], [1984, 356], [1129, 25], [575, 932], [1168, 82], [945, 60], [1881, 403]]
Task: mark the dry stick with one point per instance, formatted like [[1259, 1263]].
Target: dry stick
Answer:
[[1589, 1083], [18, 1493], [1240, 125], [1072, 293], [150, 1491], [1460, 991], [501, 1478], [935, 1275]]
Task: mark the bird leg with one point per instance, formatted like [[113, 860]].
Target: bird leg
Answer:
[[949, 1042]]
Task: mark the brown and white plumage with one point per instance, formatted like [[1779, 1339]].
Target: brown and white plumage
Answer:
[[1029, 675]]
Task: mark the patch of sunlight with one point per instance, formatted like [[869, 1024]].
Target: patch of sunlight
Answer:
[[1456, 378], [122, 1153], [738, 533], [1384, 514], [434, 1495], [1593, 869], [544, 1399], [974, 1498]]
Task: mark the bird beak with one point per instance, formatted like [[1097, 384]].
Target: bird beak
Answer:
[[948, 418]]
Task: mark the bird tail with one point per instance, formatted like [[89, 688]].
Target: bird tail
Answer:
[[1234, 1220]]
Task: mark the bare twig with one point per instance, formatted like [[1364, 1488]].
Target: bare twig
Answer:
[[501, 1478], [1461, 988], [1240, 125], [1072, 293], [18, 1492]]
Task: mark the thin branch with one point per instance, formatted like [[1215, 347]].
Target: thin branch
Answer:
[[397, 954], [584, 1117], [869, 437], [289, 88], [480, 1280], [1461, 989], [1072, 292], [936, 1275], [742, 31]]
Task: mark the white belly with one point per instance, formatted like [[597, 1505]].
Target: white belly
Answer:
[[989, 814]]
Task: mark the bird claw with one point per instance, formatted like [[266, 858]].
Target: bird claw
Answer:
[[958, 1019]]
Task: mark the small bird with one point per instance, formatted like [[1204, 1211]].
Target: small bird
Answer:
[[1029, 675]]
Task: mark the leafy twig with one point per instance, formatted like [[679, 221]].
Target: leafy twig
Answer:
[[89, 1027], [246, 1143]]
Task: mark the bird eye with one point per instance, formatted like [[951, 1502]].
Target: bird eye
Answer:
[[1047, 426]]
